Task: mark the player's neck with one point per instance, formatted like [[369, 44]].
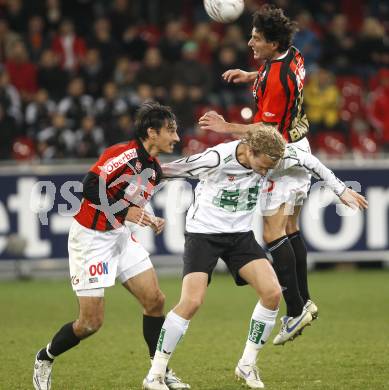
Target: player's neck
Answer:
[[278, 54], [150, 147], [241, 155]]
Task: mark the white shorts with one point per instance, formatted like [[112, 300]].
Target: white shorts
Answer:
[[290, 187], [97, 258]]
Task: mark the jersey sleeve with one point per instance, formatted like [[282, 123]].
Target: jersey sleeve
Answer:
[[192, 166], [295, 156]]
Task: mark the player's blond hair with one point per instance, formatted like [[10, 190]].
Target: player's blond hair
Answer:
[[265, 139]]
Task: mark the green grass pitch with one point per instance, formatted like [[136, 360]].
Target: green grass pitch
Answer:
[[346, 348]]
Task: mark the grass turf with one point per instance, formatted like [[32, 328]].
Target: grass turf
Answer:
[[347, 348]]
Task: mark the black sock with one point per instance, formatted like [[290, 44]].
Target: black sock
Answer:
[[63, 340], [284, 264], [42, 355], [300, 252], [151, 329]]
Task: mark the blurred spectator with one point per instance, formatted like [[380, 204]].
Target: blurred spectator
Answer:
[[10, 98], [110, 106], [228, 93], [193, 74], [155, 73], [306, 40], [35, 38], [183, 107], [89, 139], [7, 40], [22, 72], [8, 132], [102, 40], [16, 15], [338, 45], [121, 132], [378, 108], [124, 76], [235, 38], [172, 41], [371, 48], [206, 41], [57, 140], [322, 99], [77, 104], [50, 75], [93, 72], [68, 46], [39, 112], [121, 17], [134, 44], [53, 14]]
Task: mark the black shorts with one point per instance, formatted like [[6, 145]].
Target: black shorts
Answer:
[[202, 252]]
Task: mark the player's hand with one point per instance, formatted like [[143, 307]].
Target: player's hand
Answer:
[[354, 200], [211, 120], [139, 216], [237, 76], [158, 225]]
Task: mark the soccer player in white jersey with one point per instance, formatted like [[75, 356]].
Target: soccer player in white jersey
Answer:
[[218, 225]]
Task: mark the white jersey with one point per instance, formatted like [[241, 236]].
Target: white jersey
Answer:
[[227, 192]]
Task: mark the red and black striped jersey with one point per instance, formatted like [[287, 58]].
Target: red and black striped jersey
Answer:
[[123, 176], [278, 93]]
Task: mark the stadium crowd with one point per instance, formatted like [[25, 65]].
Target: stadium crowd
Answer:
[[73, 73]]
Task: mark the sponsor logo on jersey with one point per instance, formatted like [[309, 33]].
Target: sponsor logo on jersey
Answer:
[[117, 162], [101, 268], [269, 114], [228, 158], [93, 280]]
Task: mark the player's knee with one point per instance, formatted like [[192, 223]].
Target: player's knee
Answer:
[[154, 303], [86, 327], [192, 304], [272, 296]]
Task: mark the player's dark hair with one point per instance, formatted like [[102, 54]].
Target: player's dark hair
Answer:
[[152, 115], [275, 26]]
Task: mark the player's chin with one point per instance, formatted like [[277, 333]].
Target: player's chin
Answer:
[[168, 148]]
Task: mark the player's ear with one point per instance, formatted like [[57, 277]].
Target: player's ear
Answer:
[[152, 133]]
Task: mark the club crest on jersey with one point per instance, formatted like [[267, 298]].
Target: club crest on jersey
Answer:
[[231, 177]]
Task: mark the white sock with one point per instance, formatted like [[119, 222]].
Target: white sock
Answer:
[[172, 331], [261, 324]]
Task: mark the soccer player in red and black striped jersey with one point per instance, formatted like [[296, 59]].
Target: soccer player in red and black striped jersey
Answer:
[[102, 248], [278, 94]]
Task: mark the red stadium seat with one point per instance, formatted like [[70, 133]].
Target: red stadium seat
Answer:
[[352, 90]]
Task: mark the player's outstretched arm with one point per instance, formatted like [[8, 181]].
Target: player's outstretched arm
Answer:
[[354, 200], [213, 121], [239, 76], [192, 166]]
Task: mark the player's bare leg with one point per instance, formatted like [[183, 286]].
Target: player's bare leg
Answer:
[[261, 276], [89, 321], [194, 287], [145, 288]]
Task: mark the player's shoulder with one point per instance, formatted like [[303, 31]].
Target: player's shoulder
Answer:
[[226, 150]]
